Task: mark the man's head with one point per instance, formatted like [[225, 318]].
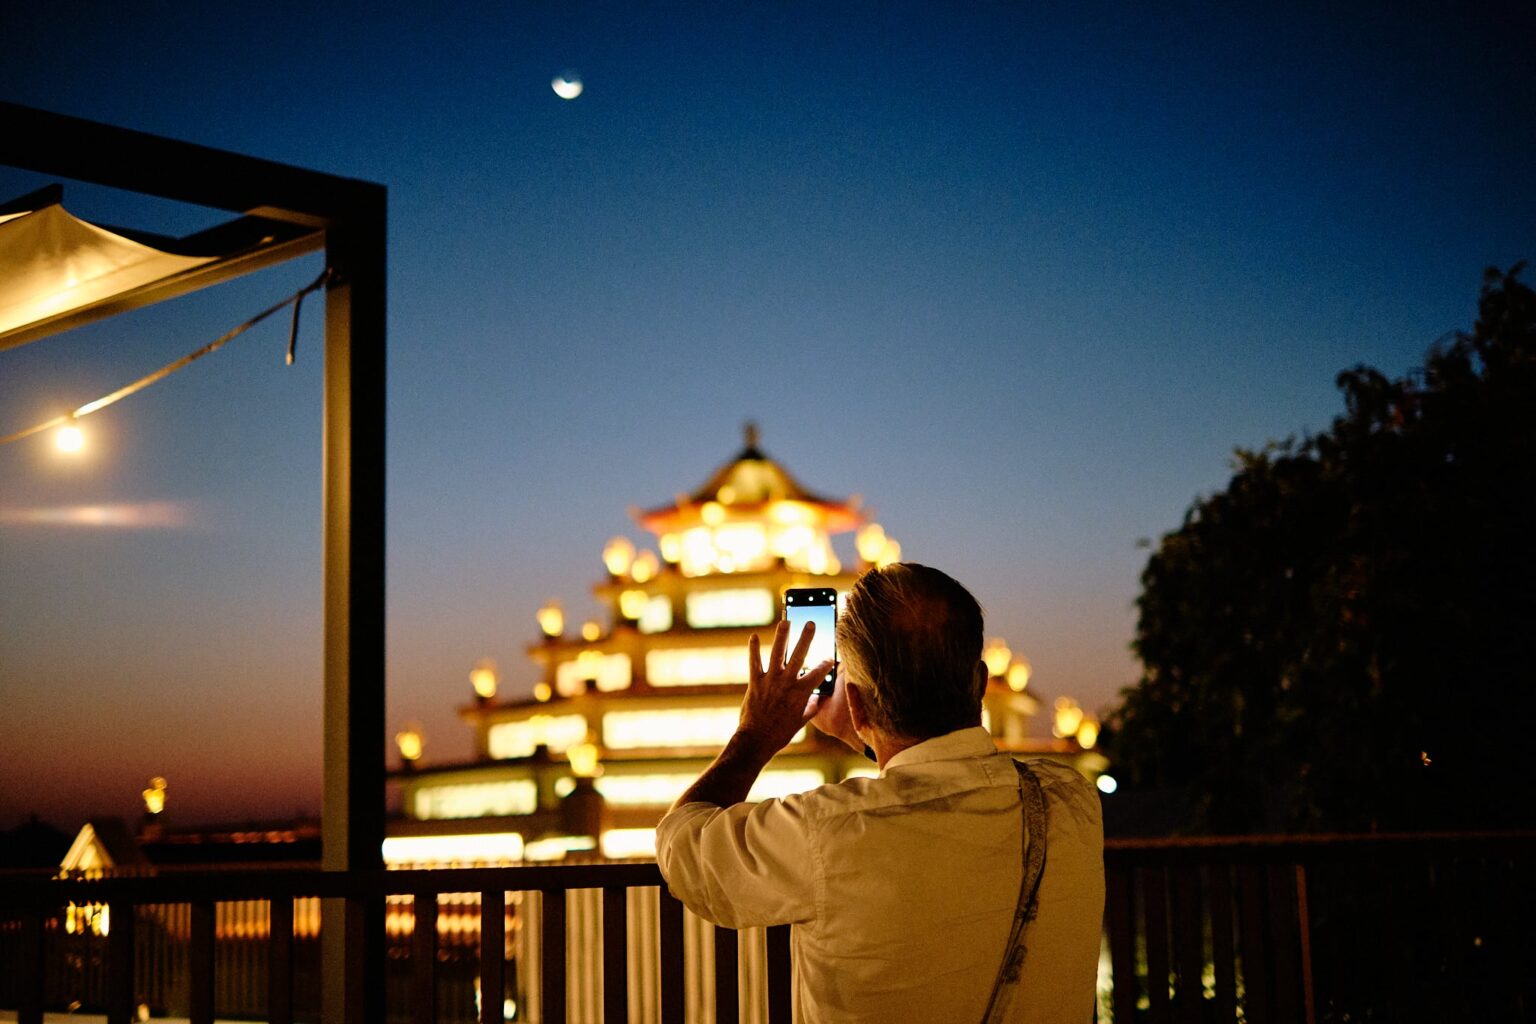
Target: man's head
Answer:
[[910, 638]]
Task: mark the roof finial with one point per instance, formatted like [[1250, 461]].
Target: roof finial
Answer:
[[749, 431]]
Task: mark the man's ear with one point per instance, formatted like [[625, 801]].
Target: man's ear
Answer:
[[858, 712], [981, 675]]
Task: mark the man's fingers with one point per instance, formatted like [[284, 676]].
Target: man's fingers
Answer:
[[776, 653], [797, 657], [816, 673], [754, 658]]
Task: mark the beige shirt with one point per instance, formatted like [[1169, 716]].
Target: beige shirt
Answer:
[[902, 888]]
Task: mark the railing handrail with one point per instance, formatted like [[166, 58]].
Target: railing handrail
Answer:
[[182, 885], [185, 887]]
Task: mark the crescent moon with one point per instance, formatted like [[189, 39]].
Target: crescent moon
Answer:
[[566, 88]]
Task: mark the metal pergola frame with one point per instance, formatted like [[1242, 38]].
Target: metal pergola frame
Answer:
[[347, 217]]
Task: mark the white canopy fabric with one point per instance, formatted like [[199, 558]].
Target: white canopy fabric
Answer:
[[52, 263]]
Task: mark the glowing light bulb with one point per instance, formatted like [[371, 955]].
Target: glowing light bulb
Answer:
[[410, 742], [69, 439], [713, 513], [1018, 675], [154, 796], [1088, 732], [632, 603], [671, 547], [997, 656], [590, 630], [889, 555], [1107, 784], [618, 554], [583, 758], [870, 540], [483, 678], [552, 619], [541, 692], [645, 566]]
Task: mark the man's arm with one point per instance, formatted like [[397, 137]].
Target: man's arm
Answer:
[[776, 706]]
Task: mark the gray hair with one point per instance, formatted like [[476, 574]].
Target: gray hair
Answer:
[[913, 634]]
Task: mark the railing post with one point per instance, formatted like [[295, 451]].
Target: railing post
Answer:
[[615, 955], [280, 961], [424, 958], [552, 955], [1223, 946], [1154, 901], [493, 955], [780, 976], [673, 997], [1304, 926], [121, 1005], [29, 968], [1119, 915], [200, 961], [727, 988]]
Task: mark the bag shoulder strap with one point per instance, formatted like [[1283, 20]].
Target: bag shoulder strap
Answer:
[[1033, 799]]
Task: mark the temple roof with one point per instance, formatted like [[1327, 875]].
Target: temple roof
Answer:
[[751, 478]]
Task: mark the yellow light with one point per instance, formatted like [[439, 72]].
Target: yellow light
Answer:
[[69, 439], [552, 619], [541, 692], [713, 513], [645, 566], [632, 603], [791, 512], [1088, 732], [590, 630], [490, 848], [1068, 717], [154, 796], [409, 741], [483, 678], [1018, 675], [618, 554], [890, 555], [583, 758], [870, 540], [671, 547], [997, 656]]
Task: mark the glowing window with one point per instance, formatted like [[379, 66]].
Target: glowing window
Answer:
[[684, 727], [611, 672], [448, 851], [693, 666], [619, 843], [657, 616], [517, 739], [661, 790], [477, 799], [711, 608]]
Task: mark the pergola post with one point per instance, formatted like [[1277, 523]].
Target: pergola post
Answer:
[[353, 825]]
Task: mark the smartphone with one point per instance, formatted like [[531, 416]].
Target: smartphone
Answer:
[[818, 605]]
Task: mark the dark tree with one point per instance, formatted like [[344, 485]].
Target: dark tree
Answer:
[[1345, 637]]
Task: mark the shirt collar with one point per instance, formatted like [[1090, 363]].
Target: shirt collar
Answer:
[[974, 741]]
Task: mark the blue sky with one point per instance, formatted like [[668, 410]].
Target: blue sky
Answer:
[[1022, 278]]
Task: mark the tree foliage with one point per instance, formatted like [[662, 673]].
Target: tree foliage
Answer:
[[1345, 637]]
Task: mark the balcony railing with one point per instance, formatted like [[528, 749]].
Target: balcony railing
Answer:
[[1253, 929]]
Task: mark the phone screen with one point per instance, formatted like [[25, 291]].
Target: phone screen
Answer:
[[818, 605]]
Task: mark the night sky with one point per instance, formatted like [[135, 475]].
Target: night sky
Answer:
[[1022, 281]]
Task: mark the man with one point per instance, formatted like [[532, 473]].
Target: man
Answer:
[[902, 888]]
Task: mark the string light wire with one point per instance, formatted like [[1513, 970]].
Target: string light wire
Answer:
[[295, 300]]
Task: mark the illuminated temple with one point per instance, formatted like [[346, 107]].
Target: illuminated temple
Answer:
[[627, 712]]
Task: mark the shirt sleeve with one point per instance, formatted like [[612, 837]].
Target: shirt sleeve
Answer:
[[741, 866]]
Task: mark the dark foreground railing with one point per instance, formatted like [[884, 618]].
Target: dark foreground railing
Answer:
[[1260, 930]]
